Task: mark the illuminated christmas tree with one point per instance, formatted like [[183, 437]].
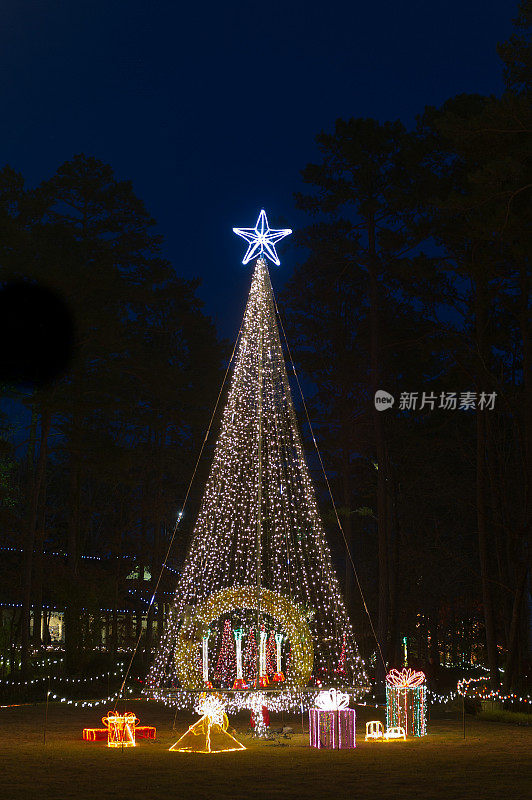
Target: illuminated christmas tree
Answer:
[[258, 527], [271, 655], [225, 671], [251, 654], [226, 664]]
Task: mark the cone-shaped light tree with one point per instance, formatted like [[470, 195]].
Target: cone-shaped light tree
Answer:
[[258, 523]]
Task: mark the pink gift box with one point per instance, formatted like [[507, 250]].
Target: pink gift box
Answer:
[[332, 730]]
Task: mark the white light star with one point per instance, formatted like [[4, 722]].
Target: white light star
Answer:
[[261, 236]]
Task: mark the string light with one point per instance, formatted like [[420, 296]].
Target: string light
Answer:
[[88, 703], [62, 679], [225, 666], [260, 718], [277, 699]]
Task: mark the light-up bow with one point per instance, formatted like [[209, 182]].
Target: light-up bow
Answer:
[[406, 679], [332, 700]]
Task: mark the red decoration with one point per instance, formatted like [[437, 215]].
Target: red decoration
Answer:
[[225, 671], [100, 734], [250, 658], [340, 669]]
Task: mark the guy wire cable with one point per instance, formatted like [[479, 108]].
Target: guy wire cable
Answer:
[[329, 485], [180, 515]]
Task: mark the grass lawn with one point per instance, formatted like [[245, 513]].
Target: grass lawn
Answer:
[[492, 762]]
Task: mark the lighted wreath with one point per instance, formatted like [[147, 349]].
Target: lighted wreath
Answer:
[[290, 616]]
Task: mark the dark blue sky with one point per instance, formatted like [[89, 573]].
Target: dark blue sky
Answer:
[[212, 109]]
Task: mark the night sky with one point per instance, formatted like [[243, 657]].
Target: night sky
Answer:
[[212, 109]]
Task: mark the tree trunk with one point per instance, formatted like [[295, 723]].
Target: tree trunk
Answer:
[[30, 541], [513, 638], [378, 428], [73, 606], [38, 568], [481, 315]]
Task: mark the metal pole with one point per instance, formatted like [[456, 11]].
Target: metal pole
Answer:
[[259, 470], [463, 713], [46, 711]]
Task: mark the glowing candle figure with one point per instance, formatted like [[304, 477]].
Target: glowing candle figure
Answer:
[[278, 677], [263, 677], [205, 659], [239, 682]]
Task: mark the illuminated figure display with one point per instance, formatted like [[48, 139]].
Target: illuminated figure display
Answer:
[[209, 734], [259, 555]]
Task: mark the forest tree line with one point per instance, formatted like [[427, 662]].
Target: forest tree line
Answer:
[[414, 277], [418, 281]]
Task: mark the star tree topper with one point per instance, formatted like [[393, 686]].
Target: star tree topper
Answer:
[[262, 239]]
